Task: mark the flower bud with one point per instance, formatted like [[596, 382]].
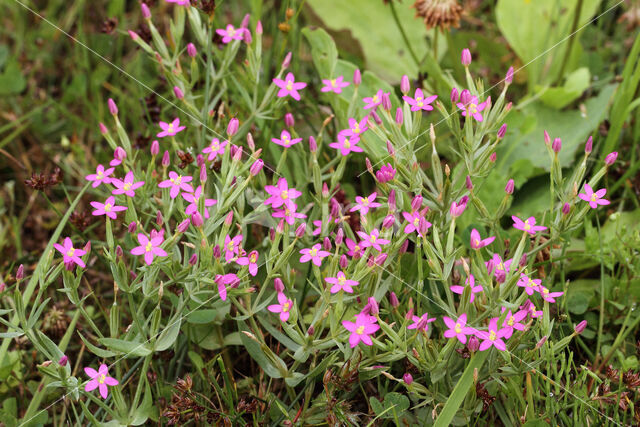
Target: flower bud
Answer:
[[391, 200], [423, 226], [493, 157], [63, 361], [236, 156], [310, 331], [159, 219], [374, 306], [256, 167], [343, 262], [287, 61], [325, 190], [468, 183], [103, 129], [416, 203], [407, 378], [197, 220], [326, 244], [229, 219], [191, 50], [20, 272], [390, 149], [232, 127], [557, 145], [313, 146], [182, 227], [386, 101], [155, 148], [376, 118], [132, 227], [580, 327], [134, 36], [541, 342], [502, 131], [259, 29], [247, 37], [278, 285], [547, 138], [465, 96], [166, 160], [523, 260], [388, 221], [301, 230], [588, 147], [508, 79], [474, 343], [339, 237], [454, 95], [393, 300], [178, 92], [409, 314], [357, 77], [566, 208], [404, 247], [405, 86], [289, 121], [146, 13], [113, 109], [611, 158], [245, 21], [216, 252], [509, 187], [465, 57]]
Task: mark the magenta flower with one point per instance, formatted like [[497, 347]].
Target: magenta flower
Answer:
[[477, 242], [170, 129], [290, 214], [176, 183], [231, 33], [458, 208], [128, 186], [531, 309], [215, 148], [512, 321], [364, 326], [373, 101], [386, 173], [283, 307], [334, 85], [231, 247], [471, 281], [346, 143], [107, 208], [528, 225], [419, 102], [100, 379], [355, 249], [69, 253], [356, 128], [281, 194], [289, 86], [285, 139], [372, 239], [547, 295], [340, 282], [492, 337], [413, 220], [458, 329], [315, 254], [118, 156], [530, 285], [499, 268], [149, 247], [472, 108], [180, 2], [226, 279], [363, 204], [251, 261], [421, 323], [194, 198], [101, 176], [594, 198]]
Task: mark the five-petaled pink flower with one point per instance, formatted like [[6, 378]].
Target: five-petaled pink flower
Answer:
[[101, 175], [363, 204], [289, 86], [226, 279], [231, 33], [372, 239], [346, 143], [419, 102], [150, 248], [373, 101], [69, 253], [499, 268], [492, 337], [231, 246], [281, 194], [314, 254], [126, 186], [285, 139], [547, 295], [473, 108], [528, 225], [194, 198], [289, 214], [364, 326], [108, 208], [176, 183], [215, 148], [284, 307], [340, 282], [458, 328], [413, 220], [512, 321], [421, 323], [477, 242], [594, 198], [357, 128], [334, 85], [530, 285], [355, 249], [251, 260], [531, 309], [100, 379], [170, 129], [471, 282]]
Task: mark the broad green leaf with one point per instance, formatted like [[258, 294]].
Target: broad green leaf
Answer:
[[169, 335], [256, 353], [12, 81], [559, 97], [323, 51]]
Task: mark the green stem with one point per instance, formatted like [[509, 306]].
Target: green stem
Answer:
[[404, 35], [574, 26], [601, 321]]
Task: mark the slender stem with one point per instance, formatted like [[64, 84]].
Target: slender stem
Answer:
[[574, 26], [601, 322], [404, 35]]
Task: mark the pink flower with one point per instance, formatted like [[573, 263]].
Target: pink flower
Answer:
[[413, 220], [107, 208], [69, 253], [419, 102], [118, 156], [471, 281], [363, 204], [288, 86], [364, 326], [421, 322], [127, 186], [170, 129], [458, 329], [315, 254], [346, 143], [477, 242], [386, 173], [231, 246], [215, 148], [283, 307], [176, 183], [530, 285], [194, 199], [372, 239], [100, 176], [226, 279], [281, 194], [594, 198], [356, 128], [285, 139], [373, 101], [512, 321], [355, 249], [100, 379], [492, 337], [340, 282], [251, 261], [458, 208], [499, 268], [231, 33], [180, 2], [548, 296], [531, 309], [472, 108], [149, 247], [289, 214], [528, 225], [334, 85]]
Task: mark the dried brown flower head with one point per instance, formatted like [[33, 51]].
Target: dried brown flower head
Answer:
[[439, 13], [42, 181], [483, 394]]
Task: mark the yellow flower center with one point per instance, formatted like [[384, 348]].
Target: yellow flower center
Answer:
[[170, 128], [373, 239], [458, 328], [347, 144], [375, 98], [215, 146], [333, 82], [527, 226], [416, 222], [252, 258], [101, 378], [284, 195], [356, 128], [531, 284], [510, 322], [473, 108], [419, 101], [365, 202], [100, 175], [492, 335], [71, 251], [148, 247], [107, 207], [360, 330], [500, 267], [313, 252], [285, 139], [341, 279], [127, 186], [594, 197], [476, 242], [231, 32], [545, 291], [289, 85], [285, 307], [230, 246]]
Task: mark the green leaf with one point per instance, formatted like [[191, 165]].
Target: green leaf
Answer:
[[169, 335], [128, 348], [559, 97], [255, 351], [12, 82], [323, 51]]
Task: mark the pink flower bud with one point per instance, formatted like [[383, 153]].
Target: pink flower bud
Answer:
[[250, 142], [474, 343], [146, 13], [228, 219], [178, 92], [547, 138], [523, 260], [493, 157], [247, 37], [423, 226], [409, 314], [465, 96], [133, 35], [193, 259], [344, 262], [191, 50], [405, 86], [588, 147], [166, 160], [557, 145], [203, 174], [132, 227], [541, 342], [566, 208], [20, 272], [404, 247], [390, 149], [508, 79], [454, 95], [155, 148], [256, 167], [216, 252], [245, 21], [182, 227], [63, 361], [374, 306], [509, 187], [502, 131], [376, 118], [287, 61], [339, 237], [313, 146], [302, 228], [159, 219], [325, 190], [457, 209], [407, 378], [326, 244], [580, 327], [465, 57], [611, 158], [200, 160], [232, 127], [237, 155], [87, 247], [103, 129], [197, 220], [386, 101], [391, 200], [259, 29], [113, 109], [119, 251], [468, 183], [278, 285], [289, 121], [399, 116], [393, 300], [388, 221], [311, 331], [357, 77], [416, 203]]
